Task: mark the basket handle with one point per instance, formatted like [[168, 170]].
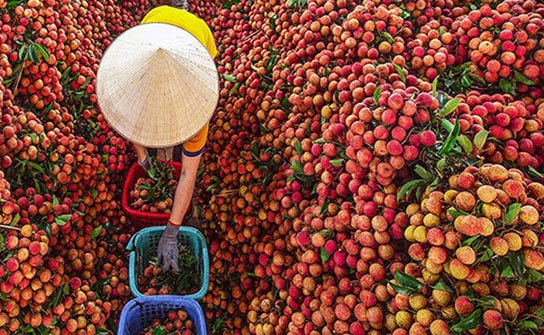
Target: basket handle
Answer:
[[133, 279], [130, 244], [206, 266]]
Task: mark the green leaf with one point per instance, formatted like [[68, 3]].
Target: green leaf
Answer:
[[102, 331], [470, 322], [297, 166], [298, 148], [480, 138], [539, 313], [441, 286], [234, 89], [507, 272], [532, 171], [15, 220], [449, 107], [476, 77], [423, 173], [517, 263], [35, 52], [377, 92], [337, 162], [31, 54], [441, 164], [465, 143], [22, 54], [512, 212], [94, 193], [488, 253], [451, 139], [35, 166], [326, 233], [470, 241], [96, 231], [13, 3], [535, 276], [388, 37], [402, 289], [66, 289], [507, 86], [159, 331], [324, 255], [455, 213], [408, 188], [407, 281], [61, 220], [42, 50], [324, 206], [435, 85], [230, 78], [55, 201], [27, 329], [486, 302], [319, 140], [400, 72], [466, 81], [58, 296], [523, 79], [527, 324], [446, 125]]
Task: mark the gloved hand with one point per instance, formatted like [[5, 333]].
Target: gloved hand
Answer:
[[168, 251]]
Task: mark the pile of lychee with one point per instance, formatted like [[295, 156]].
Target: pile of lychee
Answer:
[[476, 243], [177, 322]]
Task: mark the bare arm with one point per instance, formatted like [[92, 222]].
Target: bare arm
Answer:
[[184, 190]]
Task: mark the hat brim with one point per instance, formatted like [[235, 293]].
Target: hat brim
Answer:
[[157, 85]]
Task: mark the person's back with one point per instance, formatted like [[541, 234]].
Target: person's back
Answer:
[[185, 20]]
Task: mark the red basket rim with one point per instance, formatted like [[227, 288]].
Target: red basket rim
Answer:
[[129, 182]]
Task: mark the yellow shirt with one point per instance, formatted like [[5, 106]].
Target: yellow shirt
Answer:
[[199, 29]]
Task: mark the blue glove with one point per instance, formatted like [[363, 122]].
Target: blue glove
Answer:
[[168, 251]]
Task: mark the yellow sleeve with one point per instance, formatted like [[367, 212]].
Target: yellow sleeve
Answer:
[[194, 146], [210, 43]]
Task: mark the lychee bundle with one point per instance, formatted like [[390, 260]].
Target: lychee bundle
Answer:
[[185, 281], [430, 50], [176, 323], [478, 236], [505, 44], [503, 129]]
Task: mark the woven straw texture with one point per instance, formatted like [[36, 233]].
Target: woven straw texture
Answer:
[[157, 85]]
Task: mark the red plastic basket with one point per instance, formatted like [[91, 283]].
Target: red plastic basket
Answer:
[[145, 219]]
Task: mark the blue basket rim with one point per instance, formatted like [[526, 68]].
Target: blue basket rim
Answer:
[[183, 229], [188, 302]]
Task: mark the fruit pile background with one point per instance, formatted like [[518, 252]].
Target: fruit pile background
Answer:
[[373, 167]]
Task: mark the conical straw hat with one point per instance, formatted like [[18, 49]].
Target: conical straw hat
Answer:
[[157, 85]]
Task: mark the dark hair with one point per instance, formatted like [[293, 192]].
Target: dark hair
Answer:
[[182, 4]]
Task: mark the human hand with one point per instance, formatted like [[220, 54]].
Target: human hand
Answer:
[[168, 251]]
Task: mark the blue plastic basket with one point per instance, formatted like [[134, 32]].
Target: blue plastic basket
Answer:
[[144, 244], [140, 312]]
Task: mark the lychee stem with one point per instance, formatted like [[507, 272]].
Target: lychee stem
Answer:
[[9, 227]]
